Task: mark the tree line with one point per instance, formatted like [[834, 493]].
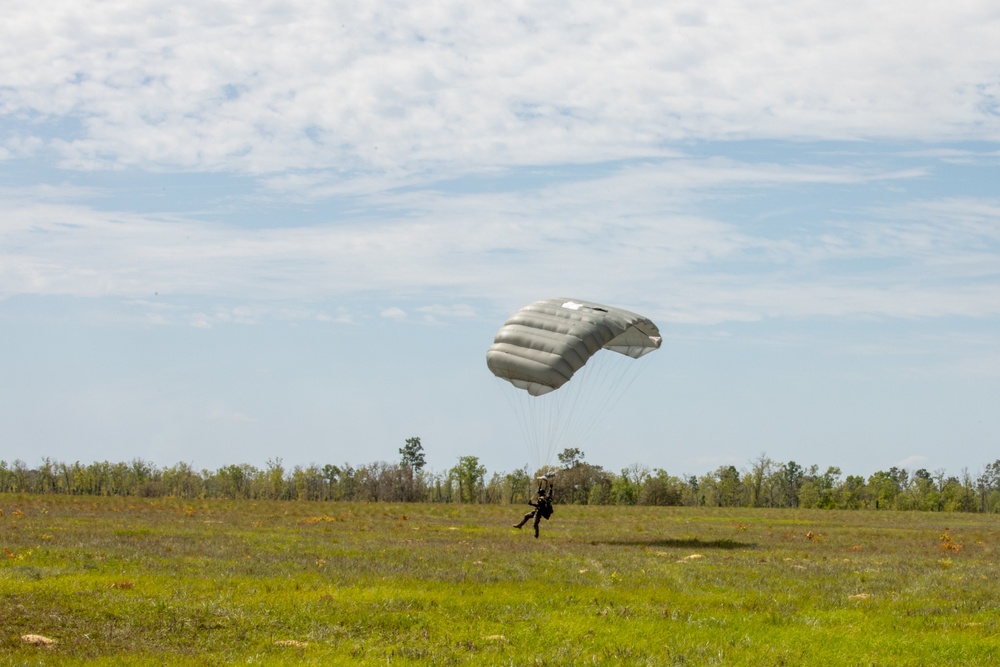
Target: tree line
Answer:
[[762, 483]]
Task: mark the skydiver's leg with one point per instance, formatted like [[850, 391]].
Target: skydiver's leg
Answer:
[[527, 517], [538, 518]]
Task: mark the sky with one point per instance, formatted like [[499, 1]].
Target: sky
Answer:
[[237, 232]]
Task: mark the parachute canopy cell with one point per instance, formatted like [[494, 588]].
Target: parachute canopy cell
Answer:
[[542, 345]]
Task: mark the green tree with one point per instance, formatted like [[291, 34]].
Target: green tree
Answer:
[[692, 495], [760, 481], [922, 493], [809, 494], [578, 479], [469, 474], [827, 483], [988, 483], [275, 476], [851, 494], [789, 481], [412, 454], [886, 486], [517, 486], [571, 457], [625, 488], [661, 488], [729, 486]]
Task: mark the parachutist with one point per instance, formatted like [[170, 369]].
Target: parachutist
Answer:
[[542, 504]]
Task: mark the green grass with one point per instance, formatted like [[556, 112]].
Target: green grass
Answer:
[[162, 581]]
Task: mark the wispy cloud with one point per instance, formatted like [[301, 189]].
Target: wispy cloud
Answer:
[[225, 414], [525, 146], [913, 461], [916, 258], [386, 88], [393, 313]]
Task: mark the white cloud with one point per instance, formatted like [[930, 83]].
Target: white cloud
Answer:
[[170, 314], [365, 88], [393, 313], [229, 415], [610, 237], [201, 321], [911, 462], [459, 310]]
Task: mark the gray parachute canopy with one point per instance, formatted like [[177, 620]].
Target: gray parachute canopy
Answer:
[[542, 345]]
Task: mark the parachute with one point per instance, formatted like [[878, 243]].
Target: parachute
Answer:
[[541, 347]]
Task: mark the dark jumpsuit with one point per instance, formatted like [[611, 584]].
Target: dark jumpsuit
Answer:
[[543, 508]]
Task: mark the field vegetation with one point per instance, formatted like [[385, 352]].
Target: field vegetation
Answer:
[[165, 580], [763, 483]]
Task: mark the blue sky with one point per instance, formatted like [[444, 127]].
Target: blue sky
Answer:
[[233, 232]]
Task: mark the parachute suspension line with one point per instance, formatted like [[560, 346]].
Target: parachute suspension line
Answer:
[[534, 420], [568, 416], [527, 425], [604, 381], [625, 374], [592, 393], [546, 411]]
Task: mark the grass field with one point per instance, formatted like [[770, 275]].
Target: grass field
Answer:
[[162, 581]]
